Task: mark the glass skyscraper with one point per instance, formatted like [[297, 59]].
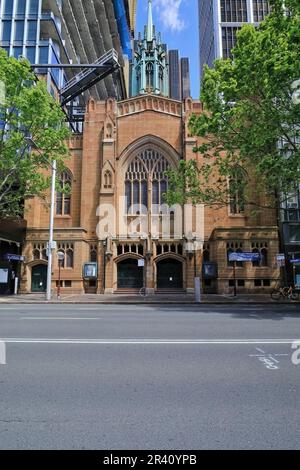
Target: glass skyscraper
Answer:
[[68, 31], [219, 20]]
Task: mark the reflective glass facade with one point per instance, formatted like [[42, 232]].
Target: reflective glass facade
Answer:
[[219, 21]]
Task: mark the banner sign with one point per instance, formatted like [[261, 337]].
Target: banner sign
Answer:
[[295, 260], [246, 256]]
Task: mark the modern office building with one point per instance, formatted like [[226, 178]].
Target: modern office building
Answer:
[[179, 76], [185, 78], [174, 75], [219, 21], [69, 31]]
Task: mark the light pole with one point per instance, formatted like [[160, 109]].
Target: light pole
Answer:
[[51, 225], [61, 257]]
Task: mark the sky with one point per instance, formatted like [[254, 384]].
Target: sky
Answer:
[[177, 20]]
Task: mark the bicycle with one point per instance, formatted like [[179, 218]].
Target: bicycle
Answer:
[[143, 292], [285, 292]]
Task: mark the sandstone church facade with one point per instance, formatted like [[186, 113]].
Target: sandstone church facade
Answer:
[[114, 216]]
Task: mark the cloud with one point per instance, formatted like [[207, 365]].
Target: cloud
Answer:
[[169, 13]]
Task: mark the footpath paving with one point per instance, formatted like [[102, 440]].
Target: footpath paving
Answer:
[[137, 299]]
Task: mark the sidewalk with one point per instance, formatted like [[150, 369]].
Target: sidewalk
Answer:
[[136, 299]]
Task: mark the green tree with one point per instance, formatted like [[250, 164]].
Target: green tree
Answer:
[[251, 119], [26, 110]]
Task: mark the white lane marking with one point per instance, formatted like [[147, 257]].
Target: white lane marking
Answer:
[[146, 341], [61, 318], [260, 350], [268, 360]]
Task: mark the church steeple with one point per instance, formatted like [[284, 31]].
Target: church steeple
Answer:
[[149, 67], [150, 22]]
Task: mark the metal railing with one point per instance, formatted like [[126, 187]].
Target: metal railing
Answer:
[[108, 59]]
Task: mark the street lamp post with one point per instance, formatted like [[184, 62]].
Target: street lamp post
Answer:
[[51, 224], [51, 227], [61, 257]]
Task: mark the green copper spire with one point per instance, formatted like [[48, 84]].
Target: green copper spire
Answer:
[[150, 22], [149, 66]]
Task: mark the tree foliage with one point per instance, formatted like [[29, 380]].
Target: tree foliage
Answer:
[[27, 110], [251, 117]]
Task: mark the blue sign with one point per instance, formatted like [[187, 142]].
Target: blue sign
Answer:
[[10, 257], [295, 260], [246, 256]]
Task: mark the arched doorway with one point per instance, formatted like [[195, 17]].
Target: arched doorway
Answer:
[[130, 275], [39, 278], [169, 274]]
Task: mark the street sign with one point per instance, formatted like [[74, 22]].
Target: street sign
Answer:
[[280, 257], [295, 261], [141, 263], [246, 256], [12, 257]]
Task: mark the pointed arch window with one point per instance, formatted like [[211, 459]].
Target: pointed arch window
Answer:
[[146, 180], [63, 196], [107, 180], [237, 191], [150, 75]]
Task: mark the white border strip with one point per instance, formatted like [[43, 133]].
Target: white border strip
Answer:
[[147, 341]]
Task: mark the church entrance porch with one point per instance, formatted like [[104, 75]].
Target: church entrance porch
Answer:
[[130, 275], [169, 274]]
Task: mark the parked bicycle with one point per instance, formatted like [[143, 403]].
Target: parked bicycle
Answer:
[[289, 293], [143, 292]]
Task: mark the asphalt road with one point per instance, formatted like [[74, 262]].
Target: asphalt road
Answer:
[[149, 377]]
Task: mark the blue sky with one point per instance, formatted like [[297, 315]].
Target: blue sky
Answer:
[[177, 20]]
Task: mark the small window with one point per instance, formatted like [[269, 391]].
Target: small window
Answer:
[[36, 254], [69, 259], [63, 197], [241, 283], [107, 180], [257, 282], [237, 192], [68, 283], [231, 283], [266, 283]]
